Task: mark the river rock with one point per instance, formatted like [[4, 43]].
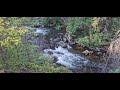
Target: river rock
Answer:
[[86, 52], [64, 39], [50, 52], [63, 44], [52, 44], [56, 39], [55, 59]]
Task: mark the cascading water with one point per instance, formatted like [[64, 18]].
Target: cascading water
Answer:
[[42, 31], [64, 56]]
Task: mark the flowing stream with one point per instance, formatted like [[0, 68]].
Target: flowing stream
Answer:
[[64, 56]]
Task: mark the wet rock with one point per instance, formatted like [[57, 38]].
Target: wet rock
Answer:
[[99, 53], [64, 39], [55, 59], [63, 44], [57, 42], [52, 44], [97, 49], [56, 39], [43, 42], [33, 38], [86, 52], [68, 46], [50, 52], [60, 53], [42, 47]]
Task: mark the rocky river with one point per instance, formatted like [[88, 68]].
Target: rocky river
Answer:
[[60, 46]]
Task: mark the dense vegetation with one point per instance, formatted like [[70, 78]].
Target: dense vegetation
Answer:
[[18, 55], [92, 31]]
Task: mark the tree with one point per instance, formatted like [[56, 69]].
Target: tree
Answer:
[[10, 35]]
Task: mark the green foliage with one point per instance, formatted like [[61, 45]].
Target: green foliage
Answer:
[[24, 59], [115, 24], [72, 24], [21, 56], [95, 24], [36, 62], [10, 34], [34, 21], [1, 64], [90, 30], [98, 39], [55, 22], [84, 40], [75, 23]]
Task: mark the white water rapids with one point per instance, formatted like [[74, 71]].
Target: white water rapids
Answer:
[[65, 57]]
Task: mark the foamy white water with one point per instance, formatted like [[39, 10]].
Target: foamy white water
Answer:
[[42, 31], [65, 57]]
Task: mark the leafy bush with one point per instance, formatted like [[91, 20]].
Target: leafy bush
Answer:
[[84, 40], [24, 59], [75, 23], [54, 22], [1, 64], [40, 65], [115, 24], [98, 39]]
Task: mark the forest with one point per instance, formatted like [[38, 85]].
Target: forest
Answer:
[[59, 44]]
